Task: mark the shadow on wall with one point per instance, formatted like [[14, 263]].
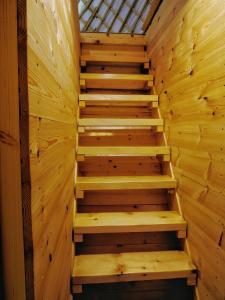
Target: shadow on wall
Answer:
[[1, 272]]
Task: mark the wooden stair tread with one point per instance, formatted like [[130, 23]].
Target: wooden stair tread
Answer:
[[119, 122], [107, 76], [112, 39], [118, 98], [127, 151], [125, 182], [137, 266], [116, 56], [128, 222]]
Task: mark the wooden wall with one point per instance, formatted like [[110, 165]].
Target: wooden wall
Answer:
[[11, 223], [53, 71], [186, 43]]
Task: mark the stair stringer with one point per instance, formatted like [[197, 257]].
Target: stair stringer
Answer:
[[175, 200]]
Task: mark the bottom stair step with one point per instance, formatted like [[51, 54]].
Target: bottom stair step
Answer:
[[138, 266]]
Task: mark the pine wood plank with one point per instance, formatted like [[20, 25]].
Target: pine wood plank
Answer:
[[53, 93], [125, 182], [128, 242], [117, 68], [196, 128], [101, 122], [113, 57], [153, 8], [128, 222], [116, 81], [15, 238], [127, 151], [114, 39], [114, 53], [114, 97], [102, 76], [137, 266], [117, 99], [121, 84], [109, 48]]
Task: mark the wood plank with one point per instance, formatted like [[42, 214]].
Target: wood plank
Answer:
[[121, 208], [142, 290], [117, 99], [100, 122], [118, 68], [111, 110], [137, 238], [15, 238], [125, 182], [120, 166], [102, 76], [116, 84], [114, 39], [127, 242], [153, 8], [143, 197], [113, 53], [114, 57], [116, 81], [88, 223], [140, 137], [190, 81], [53, 91], [125, 151], [140, 266]]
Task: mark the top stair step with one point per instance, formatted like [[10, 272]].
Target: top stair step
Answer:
[[114, 39], [116, 81]]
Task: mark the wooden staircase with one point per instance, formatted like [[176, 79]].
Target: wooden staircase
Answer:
[[124, 181]]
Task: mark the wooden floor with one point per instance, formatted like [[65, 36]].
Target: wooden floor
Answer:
[[128, 230]]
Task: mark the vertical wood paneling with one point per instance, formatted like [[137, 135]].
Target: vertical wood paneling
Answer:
[[53, 72], [11, 222], [187, 50]]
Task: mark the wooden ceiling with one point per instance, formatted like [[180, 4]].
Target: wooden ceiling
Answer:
[[113, 16]]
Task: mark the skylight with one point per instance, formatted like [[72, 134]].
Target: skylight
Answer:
[[113, 16]]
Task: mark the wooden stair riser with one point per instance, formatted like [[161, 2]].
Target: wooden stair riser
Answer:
[[160, 157], [115, 81]]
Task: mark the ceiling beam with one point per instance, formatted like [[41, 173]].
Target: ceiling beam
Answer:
[[152, 11], [141, 14]]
